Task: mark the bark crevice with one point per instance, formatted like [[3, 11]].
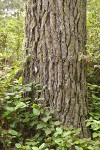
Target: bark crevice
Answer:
[[56, 32]]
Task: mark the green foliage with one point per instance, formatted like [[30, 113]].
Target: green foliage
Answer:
[[93, 29], [27, 125], [94, 104], [93, 42], [24, 123], [11, 38], [95, 126], [93, 70], [94, 101]]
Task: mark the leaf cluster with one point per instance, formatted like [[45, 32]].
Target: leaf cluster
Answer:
[[27, 125]]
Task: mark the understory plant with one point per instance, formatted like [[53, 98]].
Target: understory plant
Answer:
[[26, 124]]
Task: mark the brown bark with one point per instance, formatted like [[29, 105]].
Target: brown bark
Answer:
[[55, 33]]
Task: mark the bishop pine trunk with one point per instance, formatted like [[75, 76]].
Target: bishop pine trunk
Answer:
[[55, 37]]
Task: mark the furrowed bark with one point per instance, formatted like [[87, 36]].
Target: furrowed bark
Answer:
[[55, 36]]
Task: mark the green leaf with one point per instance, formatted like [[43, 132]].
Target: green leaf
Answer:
[[42, 146], [56, 123], [10, 94], [34, 105], [18, 145], [38, 87], [95, 135], [78, 148], [35, 148], [20, 80], [36, 112], [95, 97], [76, 132], [13, 132], [41, 125], [45, 119], [77, 142], [28, 89], [59, 130], [66, 133], [90, 148], [10, 108], [20, 105], [58, 141], [47, 131], [7, 97], [17, 96]]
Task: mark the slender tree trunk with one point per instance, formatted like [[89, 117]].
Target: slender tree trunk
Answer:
[[55, 34]]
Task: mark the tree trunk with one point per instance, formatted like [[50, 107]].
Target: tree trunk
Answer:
[[55, 36]]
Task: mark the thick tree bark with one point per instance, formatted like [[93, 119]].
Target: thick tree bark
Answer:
[[55, 34]]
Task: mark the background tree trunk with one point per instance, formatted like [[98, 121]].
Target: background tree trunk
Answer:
[[55, 34]]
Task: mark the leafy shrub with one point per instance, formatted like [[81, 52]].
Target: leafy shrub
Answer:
[[94, 121], [27, 125]]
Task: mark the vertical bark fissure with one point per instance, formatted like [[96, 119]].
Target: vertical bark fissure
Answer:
[[55, 35]]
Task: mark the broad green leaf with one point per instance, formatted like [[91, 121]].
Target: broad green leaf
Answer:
[[10, 94], [36, 112], [13, 132], [38, 87], [58, 141], [41, 125], [17, 96], [95, 135], [47, 131], [35, 148], [59, 130], [20, 105], [42, 146], [95, 97], [7, 97], [57, 123], [28, 89], [45, 119], [90, 148], [76, 132], [20, 80], [18, 145], [77, 142], [78, 148], [66, 133], [10, 108], [34, 105]]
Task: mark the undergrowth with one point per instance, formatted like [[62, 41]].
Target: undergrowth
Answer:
[[27, 125]]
